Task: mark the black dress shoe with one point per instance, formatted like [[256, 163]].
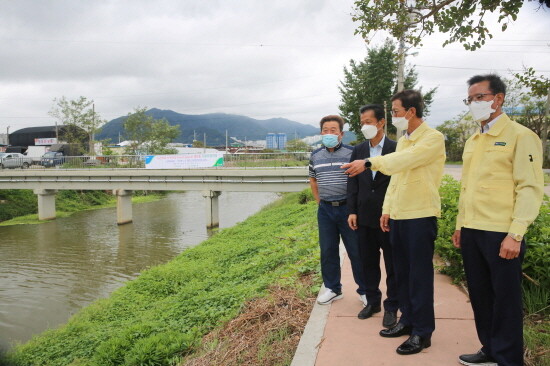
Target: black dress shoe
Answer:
[[478, 358], [367, 311], [390, 319], [397, 331], [413, 345]]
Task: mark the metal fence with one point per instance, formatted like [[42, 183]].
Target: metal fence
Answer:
[[237, 160]]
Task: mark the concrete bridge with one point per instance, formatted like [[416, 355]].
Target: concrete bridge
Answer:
[[211, 182]]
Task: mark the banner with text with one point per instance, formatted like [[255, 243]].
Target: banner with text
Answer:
[[186, 161], [47, 141]]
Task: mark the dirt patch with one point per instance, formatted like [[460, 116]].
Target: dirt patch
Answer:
[[267, 332]]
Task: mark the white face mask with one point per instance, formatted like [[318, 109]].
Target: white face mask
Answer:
[[369, 131], [400, 123], [481, 111]]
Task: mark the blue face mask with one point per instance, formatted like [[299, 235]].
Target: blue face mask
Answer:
[[330, 140]]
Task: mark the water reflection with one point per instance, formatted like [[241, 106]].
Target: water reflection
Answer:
[[50, 271]]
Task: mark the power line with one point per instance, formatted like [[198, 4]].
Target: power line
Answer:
[[180, 43], [472, 68]]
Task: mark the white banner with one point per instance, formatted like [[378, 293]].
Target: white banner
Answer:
[[186, 161], [48, 141]]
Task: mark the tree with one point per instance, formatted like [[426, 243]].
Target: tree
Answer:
[[369, 81], [411, 21], [197, 143], [149, 135], [539, 86], [80, 119], [297, 145], [373, 80], [456, 132]]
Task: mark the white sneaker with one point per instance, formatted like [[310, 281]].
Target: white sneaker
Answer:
[[363, 299], [329, 296]]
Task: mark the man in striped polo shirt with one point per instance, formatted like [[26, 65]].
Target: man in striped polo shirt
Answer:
[[329, 185]]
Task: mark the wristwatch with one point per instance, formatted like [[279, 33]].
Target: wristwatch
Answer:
[[516, 237], [368, 164]]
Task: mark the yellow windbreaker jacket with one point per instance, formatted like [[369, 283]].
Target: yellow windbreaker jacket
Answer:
[[416, 168], [502, 179]]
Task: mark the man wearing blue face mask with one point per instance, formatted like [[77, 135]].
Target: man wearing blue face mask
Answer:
[[329, 186]]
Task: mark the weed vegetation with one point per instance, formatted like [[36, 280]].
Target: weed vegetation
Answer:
[[162, 315]]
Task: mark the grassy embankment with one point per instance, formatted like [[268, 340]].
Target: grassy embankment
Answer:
[[162, 315], [19, 206]]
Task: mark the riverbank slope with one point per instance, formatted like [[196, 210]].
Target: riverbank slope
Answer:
[[164, 313]]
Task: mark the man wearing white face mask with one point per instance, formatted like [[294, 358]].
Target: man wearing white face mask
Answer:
[[411, 207], [328, 184], [501, 193], [365, 198]]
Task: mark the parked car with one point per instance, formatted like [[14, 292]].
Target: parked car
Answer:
[[52, 158], [14, 160]]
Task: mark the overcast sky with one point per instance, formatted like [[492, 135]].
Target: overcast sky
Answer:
[[262, 59]]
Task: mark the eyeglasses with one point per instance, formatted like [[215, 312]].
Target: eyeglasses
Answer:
[[476, 98], [394, 111]]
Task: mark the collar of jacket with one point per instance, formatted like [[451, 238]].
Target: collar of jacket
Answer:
[[419, 131], [336, 148], [497, 128], [499, 125]]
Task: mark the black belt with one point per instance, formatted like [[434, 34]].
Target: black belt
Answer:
[[335, 203]]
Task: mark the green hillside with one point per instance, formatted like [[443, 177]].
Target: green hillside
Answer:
[[215, 125]]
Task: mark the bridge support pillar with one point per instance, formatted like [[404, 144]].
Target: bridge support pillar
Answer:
[[212, 208], [123, 206], [46, 203]]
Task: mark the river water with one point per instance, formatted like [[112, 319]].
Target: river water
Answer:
[[50, 271]]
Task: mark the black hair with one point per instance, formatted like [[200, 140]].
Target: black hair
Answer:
[[495, 82], [411, 98], [376, 108]]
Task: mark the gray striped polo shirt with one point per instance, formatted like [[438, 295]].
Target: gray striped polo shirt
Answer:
[[324, 166]]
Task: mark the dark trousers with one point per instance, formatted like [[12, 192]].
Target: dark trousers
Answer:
[[413, 248], [494, 285], [371, 240], [333, 224]]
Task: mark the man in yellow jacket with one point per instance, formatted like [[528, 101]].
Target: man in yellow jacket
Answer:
[[501, 194], [411, 207]]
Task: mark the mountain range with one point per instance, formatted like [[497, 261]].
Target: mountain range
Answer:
[[215, 125]]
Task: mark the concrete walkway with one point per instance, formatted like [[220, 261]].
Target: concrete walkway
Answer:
[[335, 336]]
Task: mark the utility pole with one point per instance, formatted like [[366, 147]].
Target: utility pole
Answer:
[[386, 117], [544, 135], [204, 148], [92, 137], [194, 136], [8, 136], [226, 141], [401, 66]]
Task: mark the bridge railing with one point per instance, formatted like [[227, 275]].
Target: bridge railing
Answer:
[[237, 160]]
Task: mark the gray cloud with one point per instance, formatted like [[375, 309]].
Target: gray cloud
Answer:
[[261, 59]]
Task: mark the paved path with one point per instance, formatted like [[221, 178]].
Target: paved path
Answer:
[[335, 336]]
